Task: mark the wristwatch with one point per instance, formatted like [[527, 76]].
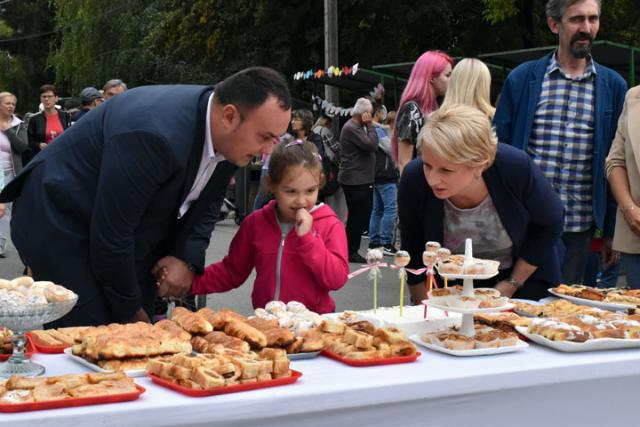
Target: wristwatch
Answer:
[[513, 282]]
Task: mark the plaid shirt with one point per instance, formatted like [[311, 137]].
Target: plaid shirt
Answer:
[[561, 141]]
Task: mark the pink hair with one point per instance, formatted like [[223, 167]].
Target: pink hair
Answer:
[[429, 66]]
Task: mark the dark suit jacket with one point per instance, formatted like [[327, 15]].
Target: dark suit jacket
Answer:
[[529, 209], [95, 210]]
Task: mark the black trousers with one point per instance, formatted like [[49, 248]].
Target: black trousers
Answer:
[[358, 199]]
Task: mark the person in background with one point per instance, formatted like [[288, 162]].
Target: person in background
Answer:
[[428, 81], [13, 143], [470, 84], [297, 247], [331, 193], [90, 98], [47, 124], [358, 145], [467, 185], [623, 172], [384, 212], [112, 88], [563, 110]]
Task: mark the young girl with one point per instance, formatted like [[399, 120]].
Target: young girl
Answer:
[[298, 248]]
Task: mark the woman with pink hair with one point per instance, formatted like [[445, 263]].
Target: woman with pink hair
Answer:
[[429, 79]]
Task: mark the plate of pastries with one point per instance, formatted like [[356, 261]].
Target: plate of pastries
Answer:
[[483, 300], [18, 394], [222, 371], [360, 343], [232, 330], [128, 347], [584, 332], [24, 292], [453, 267], [55, 340], [607, 298], [494, 334]]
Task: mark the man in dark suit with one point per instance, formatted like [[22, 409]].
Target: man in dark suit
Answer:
[[137, 184]]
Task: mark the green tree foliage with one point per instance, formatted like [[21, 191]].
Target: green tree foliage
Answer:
[[24, 68]]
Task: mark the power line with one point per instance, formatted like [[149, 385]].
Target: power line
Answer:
[[29, 36]]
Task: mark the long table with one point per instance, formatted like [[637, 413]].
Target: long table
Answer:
[[533, 387]]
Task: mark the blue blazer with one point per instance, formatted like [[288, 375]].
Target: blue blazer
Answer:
[[529, 209], [514, 121], [99, 206]]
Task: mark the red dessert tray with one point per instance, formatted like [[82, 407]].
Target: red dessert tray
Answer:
[[46, 349], [72, 402], [226, 389], [371, 362], [29, 349]]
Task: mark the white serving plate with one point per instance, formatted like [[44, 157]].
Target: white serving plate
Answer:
[[505, 307], [94, 367], [302, 356], [572, 347], [467, 276], [598, 304], [521, 345]]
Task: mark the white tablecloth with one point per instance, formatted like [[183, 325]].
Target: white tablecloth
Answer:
[[534, 387]]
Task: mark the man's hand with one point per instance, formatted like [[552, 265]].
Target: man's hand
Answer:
[[3, 209], [42, 146], [366, 118], [609, 256], [632, 215], [506, 289], [140, 316], [174, 277], [304, 221]]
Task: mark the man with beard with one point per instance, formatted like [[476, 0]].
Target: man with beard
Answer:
[[563, 110]]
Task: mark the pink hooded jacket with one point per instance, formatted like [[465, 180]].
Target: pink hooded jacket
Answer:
[[311, 266]]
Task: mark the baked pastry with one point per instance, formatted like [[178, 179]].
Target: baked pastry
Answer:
[[464, 302], [333, 326], [455, 341], [173, 328], [493, 302], [254, 337], [190, 321], [275, 335], [449, 267]]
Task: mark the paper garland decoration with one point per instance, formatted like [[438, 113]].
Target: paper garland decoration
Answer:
[[329, 109], [332, 71]]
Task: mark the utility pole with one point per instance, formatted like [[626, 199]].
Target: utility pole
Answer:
[[331, 45]]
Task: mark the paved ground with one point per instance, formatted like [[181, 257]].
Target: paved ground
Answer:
[[356, 295]]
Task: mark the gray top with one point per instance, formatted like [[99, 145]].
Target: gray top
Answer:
[[482, 225], [358, 146]]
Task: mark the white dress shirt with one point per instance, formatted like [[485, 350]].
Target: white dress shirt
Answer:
[[208, 163]]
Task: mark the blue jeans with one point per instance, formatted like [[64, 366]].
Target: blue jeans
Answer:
[[631, 265], [384, 213]]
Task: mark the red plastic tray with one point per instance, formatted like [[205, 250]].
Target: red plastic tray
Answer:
[[69, 403], [226, 389], [28, 350], [371, 362], [46, 349]]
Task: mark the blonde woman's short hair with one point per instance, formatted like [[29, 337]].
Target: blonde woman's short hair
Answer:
[[3, 95], [461, 135], [470, 84]]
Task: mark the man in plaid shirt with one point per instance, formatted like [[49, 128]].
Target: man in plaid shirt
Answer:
[[563, 110]]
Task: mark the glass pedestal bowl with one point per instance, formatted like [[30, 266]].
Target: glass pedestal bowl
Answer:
[[24, 318]]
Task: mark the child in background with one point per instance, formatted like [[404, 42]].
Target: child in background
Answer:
[[298, 248]]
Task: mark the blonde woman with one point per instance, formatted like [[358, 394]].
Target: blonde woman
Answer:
[[466, 185], [470, 84]]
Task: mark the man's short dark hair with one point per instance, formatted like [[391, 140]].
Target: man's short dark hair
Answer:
[[555, 8], [249, 88], [48, 88]]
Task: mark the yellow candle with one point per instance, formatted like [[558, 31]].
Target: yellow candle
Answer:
[[446, 282]]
